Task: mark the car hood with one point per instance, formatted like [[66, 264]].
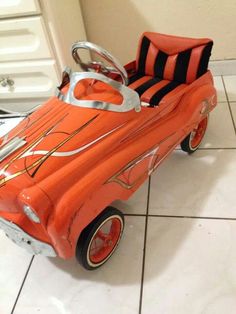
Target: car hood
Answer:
[[54, 135]]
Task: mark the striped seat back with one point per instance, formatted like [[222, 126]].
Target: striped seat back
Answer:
[[173, 58]]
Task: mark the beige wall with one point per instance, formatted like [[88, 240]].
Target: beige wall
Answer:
[[117, 24]]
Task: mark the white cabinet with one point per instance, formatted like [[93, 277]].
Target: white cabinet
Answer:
[[18, 7], [32, 79], [35, 41], [23, 39]]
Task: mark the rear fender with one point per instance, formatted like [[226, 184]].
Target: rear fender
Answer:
[[197, 104]]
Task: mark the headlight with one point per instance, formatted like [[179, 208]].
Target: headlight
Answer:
[[31, 214]]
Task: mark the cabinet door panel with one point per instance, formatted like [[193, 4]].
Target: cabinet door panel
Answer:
[[31, 79], [23, 39]]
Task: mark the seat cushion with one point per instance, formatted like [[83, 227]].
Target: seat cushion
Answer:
[[153, 89], [173, 58]]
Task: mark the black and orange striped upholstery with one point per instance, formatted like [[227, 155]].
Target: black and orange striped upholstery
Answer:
[[165, 64]]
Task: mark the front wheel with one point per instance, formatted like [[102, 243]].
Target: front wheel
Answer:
[[100, 238], [194, 139]]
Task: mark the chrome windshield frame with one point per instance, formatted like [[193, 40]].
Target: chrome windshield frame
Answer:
[[131, 100]]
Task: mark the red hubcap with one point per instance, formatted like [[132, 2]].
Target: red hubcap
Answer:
[[198, 133], [105, 240]]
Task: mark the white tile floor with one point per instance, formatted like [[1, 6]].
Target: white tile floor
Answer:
[[178, 259]]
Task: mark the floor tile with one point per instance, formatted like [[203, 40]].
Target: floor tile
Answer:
[[201, 184], [137, 203], [56, 286], [230, 85], [190, 267], [220, 131], [14, 262], [218, 83]]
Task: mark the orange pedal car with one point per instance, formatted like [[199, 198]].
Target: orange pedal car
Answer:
[[106, 130]]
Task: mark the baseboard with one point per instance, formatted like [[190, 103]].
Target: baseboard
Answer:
[[223, 67]]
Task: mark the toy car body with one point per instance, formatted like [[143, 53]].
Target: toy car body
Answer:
[[97, 141]]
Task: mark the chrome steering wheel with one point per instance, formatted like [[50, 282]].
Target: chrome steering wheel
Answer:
[[99, 66]]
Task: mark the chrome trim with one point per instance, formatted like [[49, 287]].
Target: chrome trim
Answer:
[[23, 239], [130, 97], [98, 65], [11, 147]]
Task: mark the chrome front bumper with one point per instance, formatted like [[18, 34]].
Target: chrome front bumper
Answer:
[[21, 238]]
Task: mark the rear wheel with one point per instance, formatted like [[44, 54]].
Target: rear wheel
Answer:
[[194, 139], [100, 238]]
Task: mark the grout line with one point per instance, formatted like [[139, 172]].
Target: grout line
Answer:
[[22, 285], [230, 109], [144, 248], [181, 216], [222, 102], [134, 215], [211, 148], [215, 148]]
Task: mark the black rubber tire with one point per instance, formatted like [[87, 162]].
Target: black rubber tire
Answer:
[[186, 143], [88, 233]]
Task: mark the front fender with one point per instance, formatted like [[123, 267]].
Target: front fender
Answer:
[[81, 204]]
